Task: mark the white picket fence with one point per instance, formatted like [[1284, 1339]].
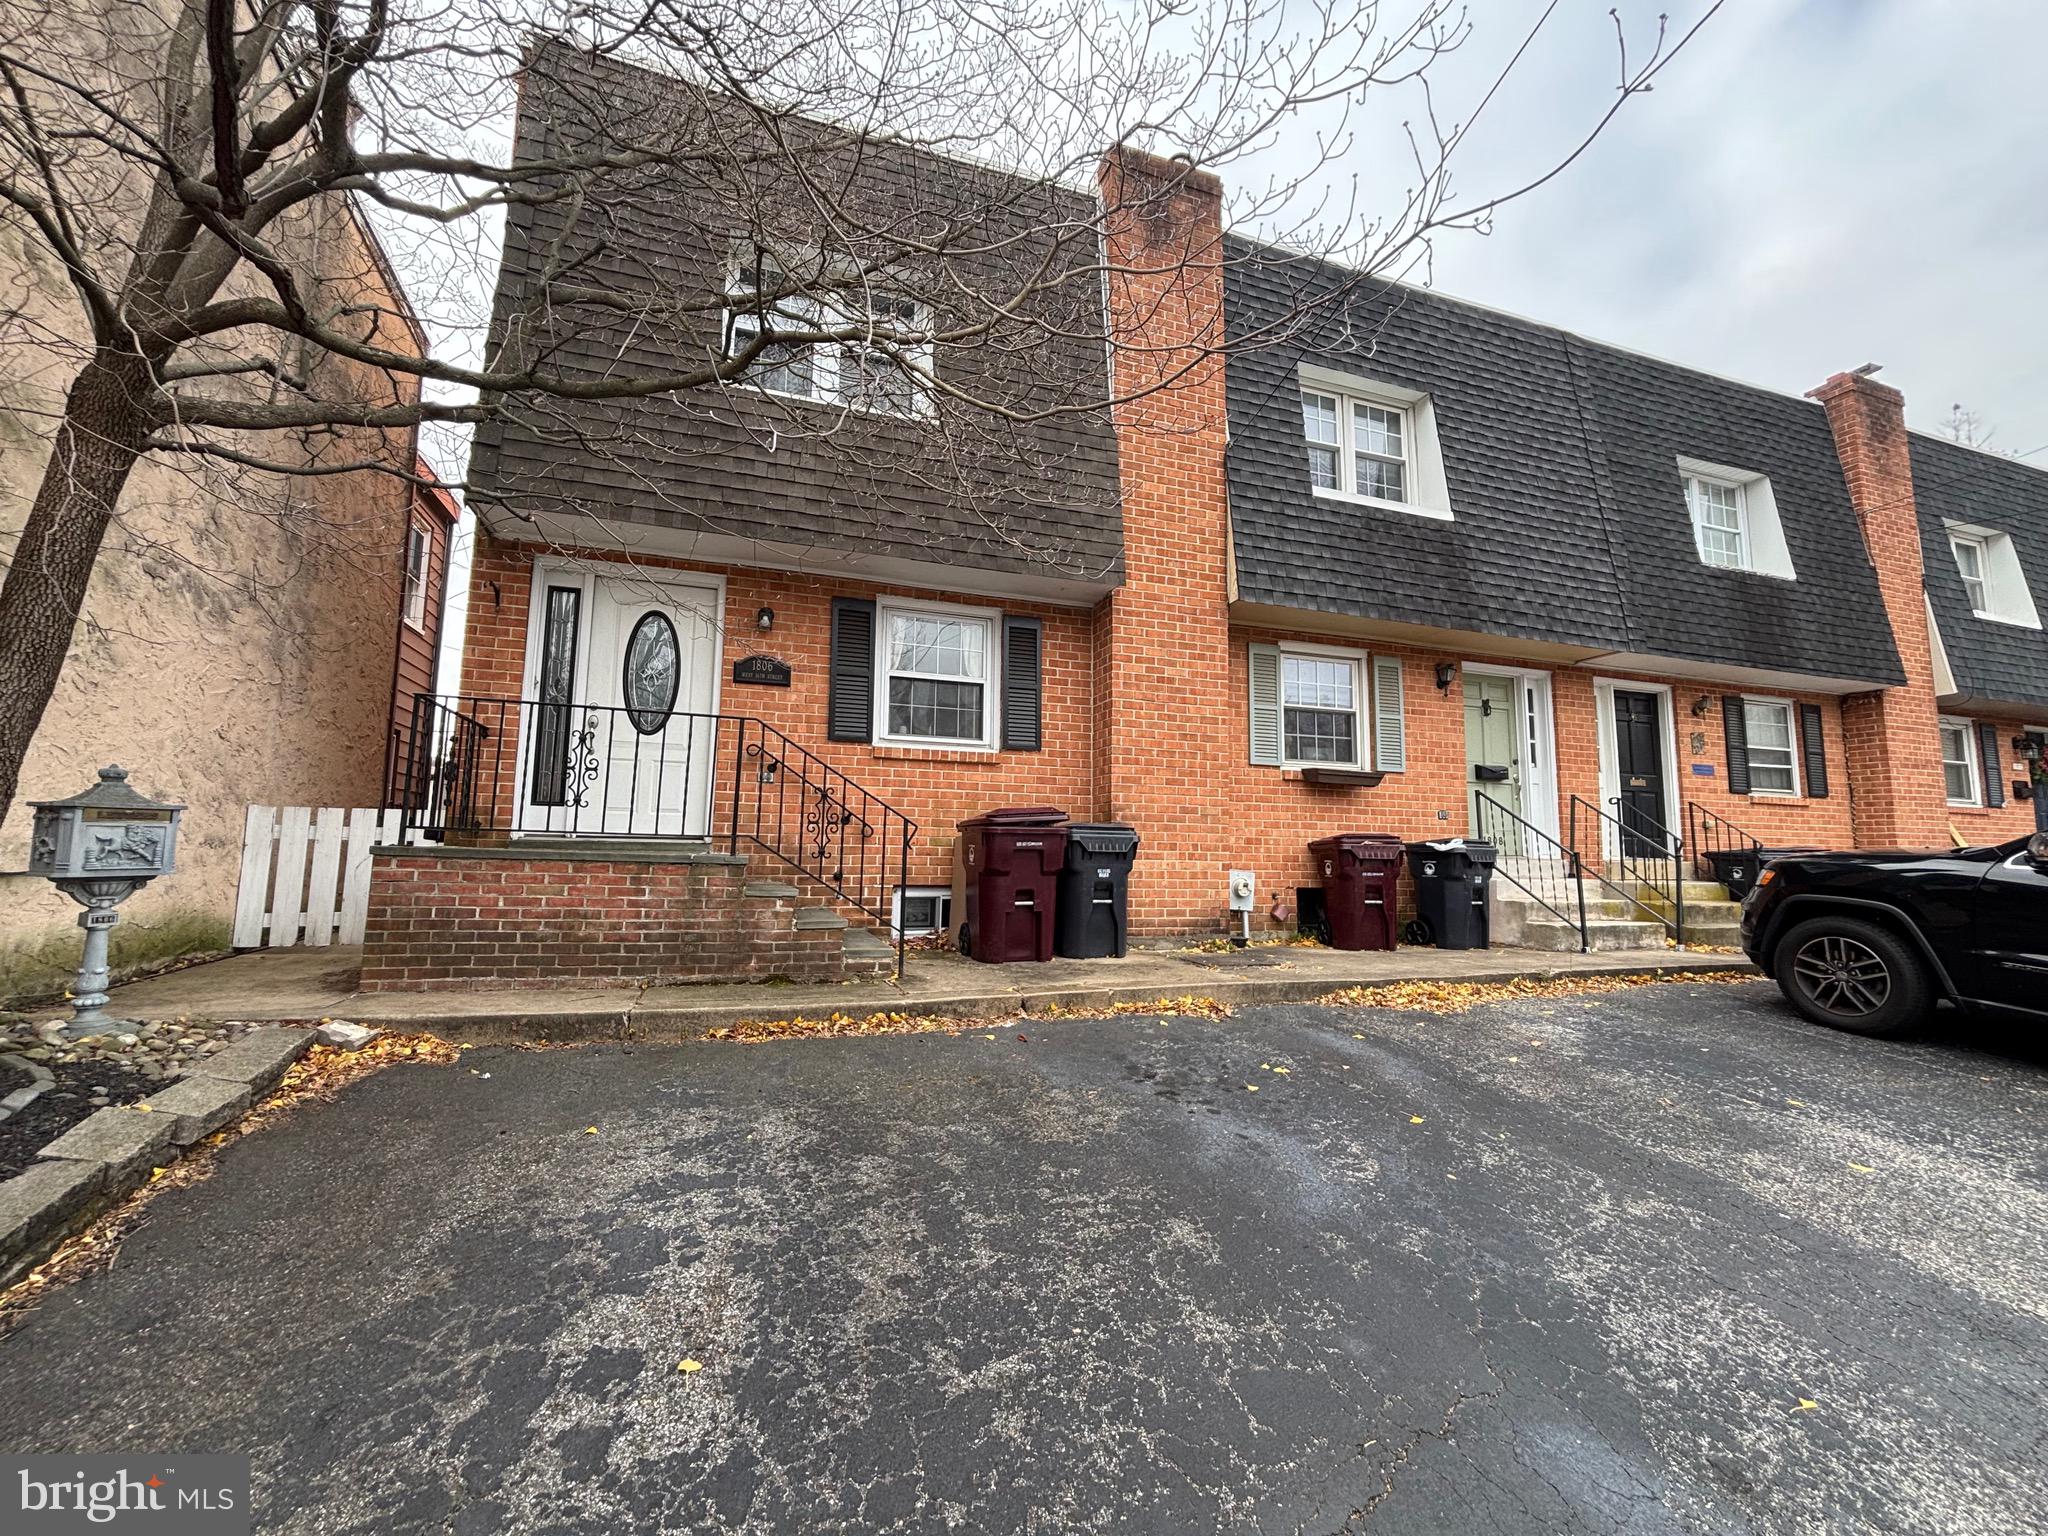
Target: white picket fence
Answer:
[[306, 874]]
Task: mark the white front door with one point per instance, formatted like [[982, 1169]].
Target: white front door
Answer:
[[622, 736]]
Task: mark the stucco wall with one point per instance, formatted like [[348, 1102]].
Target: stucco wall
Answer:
[[237, 642]]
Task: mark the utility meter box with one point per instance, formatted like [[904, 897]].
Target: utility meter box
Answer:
[[1244, 886]]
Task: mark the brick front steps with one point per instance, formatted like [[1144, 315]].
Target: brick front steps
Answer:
[[595, 914]]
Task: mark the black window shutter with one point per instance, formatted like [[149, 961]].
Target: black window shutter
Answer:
[[850, 712], [1992, 760], [1814, 739], [1736, 725], [1023, 684]]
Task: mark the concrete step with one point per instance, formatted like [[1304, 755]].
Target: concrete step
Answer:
[[598, 847], [768, 890], [1695, 890], [865, 943], [1602, 933]]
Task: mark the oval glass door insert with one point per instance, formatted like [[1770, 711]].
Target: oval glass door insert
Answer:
[[653, 673]]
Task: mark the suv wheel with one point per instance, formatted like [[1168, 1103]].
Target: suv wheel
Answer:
[[1852, 975]]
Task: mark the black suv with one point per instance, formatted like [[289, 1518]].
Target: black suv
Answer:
[[1869, 941]]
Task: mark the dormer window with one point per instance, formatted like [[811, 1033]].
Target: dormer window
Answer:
[[1719, 522], [1371, 443], [1993, 579], [1734, 516], [881, 374]]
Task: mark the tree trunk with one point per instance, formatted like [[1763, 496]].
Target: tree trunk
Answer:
[[107, 419]]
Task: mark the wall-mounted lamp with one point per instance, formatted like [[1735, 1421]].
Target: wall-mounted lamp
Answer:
[[2028, 747], [764, 620], [1446, 674], [1702, 704]]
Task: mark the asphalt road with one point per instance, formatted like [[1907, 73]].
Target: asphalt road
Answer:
[[1557, 1267]]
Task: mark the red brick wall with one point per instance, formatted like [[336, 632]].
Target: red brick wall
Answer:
[[2013, 819], [440, 922], [1893, 740], [935, 788], [1165, 634]]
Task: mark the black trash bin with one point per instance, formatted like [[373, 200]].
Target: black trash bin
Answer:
[[1361, 872], [1737, 868], [1091, 916], [1450, 893]]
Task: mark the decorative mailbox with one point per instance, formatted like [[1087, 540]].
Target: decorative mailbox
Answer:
[[99, 848]]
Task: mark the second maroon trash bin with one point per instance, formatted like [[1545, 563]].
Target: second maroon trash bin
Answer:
[[1010, 861], [1361, 872]]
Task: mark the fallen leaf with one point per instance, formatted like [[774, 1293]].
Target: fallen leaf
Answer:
[[142, 1109], [1806, 1405], [1796, 1103], [590, 1130], [1281, 1070], [688, 1367], [1250, 1088], [1862, 1168], [1415, 1119]]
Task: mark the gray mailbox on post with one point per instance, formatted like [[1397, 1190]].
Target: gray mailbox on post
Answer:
[[99, 848]]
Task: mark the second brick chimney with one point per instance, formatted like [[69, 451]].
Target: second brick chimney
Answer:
[[1893, 736]]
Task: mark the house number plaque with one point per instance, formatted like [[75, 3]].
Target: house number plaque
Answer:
[[768, 671]]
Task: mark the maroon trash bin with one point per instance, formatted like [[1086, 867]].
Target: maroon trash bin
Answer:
[[1011, 861], [1361, 874]]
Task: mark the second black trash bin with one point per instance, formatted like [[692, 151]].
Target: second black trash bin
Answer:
[[1091, 917], [1450, 891]]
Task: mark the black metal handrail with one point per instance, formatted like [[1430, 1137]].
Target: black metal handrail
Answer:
[[1708, 833], [478, 764], [1640, 851], [1515, 838]]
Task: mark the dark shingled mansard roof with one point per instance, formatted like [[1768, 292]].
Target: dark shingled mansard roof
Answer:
[[1992, 662], [1560, 454]]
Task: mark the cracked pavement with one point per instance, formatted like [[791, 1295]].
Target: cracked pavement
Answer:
[[1557, 1266]]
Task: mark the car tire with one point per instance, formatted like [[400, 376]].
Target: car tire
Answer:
[[1854, 976]]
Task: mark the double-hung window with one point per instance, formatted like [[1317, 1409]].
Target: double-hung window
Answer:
[[1773, 758], [1358, 447], [936, 676], [1720, 522], [419, 545], [1959, 774], [1969, 552], [881, 369], [1322, 702]]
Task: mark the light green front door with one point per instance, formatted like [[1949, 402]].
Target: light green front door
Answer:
[[1493, 763]]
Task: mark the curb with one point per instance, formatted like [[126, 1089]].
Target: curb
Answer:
[[114, 1151], [41, 1080], [670, 1025]]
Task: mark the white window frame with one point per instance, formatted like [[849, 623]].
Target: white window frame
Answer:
[[991, 620], [1970, 759], [1347, 403], [1795, 747], [1976, 588], [2002, 595], [1695, 482], [419, 536], [1765, 551], [943, 895], [835, 368], [1361, 703]]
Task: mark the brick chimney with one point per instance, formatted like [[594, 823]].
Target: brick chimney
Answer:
[[1162, 658], [1893, 737]]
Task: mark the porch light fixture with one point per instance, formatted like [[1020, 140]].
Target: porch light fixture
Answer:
[[2028, 747], [764, 619], [99, 848], [1446, 674]]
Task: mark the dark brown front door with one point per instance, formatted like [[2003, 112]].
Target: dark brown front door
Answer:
[[1639, 772]]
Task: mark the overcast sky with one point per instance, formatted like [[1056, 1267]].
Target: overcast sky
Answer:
[[1813, 185]]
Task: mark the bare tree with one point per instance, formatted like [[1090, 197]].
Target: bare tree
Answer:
[[1965, 426], [177, 160]]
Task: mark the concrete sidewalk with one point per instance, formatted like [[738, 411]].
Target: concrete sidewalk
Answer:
[[298, 984]]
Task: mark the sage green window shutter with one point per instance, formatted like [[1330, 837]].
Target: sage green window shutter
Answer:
[[1389, 716], [1265, 671]]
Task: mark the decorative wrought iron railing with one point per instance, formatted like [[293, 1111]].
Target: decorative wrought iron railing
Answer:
[[476, 765], [1708, 834], [1536, 864], [1636, 854]]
